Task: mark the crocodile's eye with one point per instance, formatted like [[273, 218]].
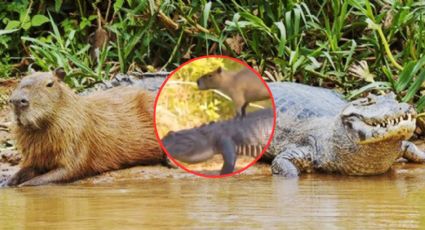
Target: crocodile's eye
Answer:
[[369, 101], [50, 84], [365, 101]]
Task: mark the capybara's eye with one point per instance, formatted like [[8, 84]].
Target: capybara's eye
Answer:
[[50, 84]]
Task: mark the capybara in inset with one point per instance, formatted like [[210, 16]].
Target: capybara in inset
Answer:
[[242, 87]]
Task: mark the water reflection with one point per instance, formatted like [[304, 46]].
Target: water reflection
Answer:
[[393, 200]]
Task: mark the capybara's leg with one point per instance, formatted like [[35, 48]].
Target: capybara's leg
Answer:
[[21, 176], [243, 110], [55, 175], [168, 163], [238, 101]]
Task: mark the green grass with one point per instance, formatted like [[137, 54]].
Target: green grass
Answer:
[[314, 42]]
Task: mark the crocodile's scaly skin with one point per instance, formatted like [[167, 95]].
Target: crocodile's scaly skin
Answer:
[[317, 130], [237, 136], [148, 81]]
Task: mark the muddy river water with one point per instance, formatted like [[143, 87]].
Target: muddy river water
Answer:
[[393, 200]]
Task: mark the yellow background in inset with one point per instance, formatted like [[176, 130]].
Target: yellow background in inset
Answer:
[[181, 105]]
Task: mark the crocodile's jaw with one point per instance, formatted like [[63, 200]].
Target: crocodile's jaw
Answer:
[[400, 128], [378, 118], [193, 158], [351, 156], [362, 159], [188, 147]]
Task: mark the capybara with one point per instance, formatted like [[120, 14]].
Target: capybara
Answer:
[[242, 87], [63, 136]]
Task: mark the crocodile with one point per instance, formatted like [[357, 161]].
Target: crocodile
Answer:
[[318, 131], [230, 138], [147, 81]]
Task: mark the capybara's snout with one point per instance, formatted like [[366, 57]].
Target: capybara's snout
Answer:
[[19, 100], [201, 84]]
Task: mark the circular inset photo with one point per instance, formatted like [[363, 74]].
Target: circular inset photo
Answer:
[[214, 116]]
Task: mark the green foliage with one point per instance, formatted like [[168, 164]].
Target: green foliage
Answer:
[[309, 41], [57, 50]]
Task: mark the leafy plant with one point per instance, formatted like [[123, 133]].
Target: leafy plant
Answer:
[[310, 41]]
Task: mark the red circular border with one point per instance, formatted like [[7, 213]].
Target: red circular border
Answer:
[[200, 174]]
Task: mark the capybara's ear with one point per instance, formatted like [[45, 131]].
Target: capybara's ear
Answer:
[[59, 73]]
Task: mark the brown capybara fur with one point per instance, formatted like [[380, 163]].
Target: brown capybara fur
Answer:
[[63, 136], [242, 86]]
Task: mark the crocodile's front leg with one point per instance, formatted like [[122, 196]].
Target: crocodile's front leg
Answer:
[[412, 153], [292, 161], [228, 149]]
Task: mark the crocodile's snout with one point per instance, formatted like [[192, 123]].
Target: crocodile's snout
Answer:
[[377, 118], [392, 115]]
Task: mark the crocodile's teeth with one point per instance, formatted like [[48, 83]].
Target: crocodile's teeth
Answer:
[[379, 126], [409, 116]]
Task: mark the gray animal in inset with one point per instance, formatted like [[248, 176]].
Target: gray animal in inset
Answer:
[[230, 138]]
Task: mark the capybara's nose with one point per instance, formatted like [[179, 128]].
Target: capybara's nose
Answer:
[[19, 102]]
